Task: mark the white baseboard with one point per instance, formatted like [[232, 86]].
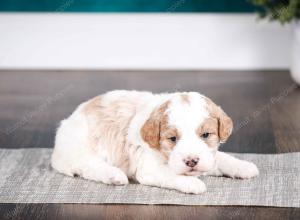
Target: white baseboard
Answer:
[[142, 41]]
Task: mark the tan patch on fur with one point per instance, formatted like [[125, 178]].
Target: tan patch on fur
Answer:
[[185, 98], [210, 125], [225, 123], [107, 126], [157, 132], [165, 135]]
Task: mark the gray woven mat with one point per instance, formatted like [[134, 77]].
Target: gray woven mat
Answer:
[[26, 177]]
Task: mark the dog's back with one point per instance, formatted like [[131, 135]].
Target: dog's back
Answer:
[[100, 123]]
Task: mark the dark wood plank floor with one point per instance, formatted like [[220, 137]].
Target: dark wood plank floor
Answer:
[[265, 106]]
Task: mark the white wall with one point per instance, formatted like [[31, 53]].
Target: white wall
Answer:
[[142, 41]]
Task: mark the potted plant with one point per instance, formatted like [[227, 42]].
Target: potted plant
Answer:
[[285, 11]]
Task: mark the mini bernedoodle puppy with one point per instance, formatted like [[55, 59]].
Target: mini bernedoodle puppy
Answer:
[[163, 140]]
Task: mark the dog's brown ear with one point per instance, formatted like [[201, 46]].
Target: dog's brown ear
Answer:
[[150, 131], [224, 121], [225, 126]]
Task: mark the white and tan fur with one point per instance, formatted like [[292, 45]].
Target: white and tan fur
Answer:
[[130, 134]]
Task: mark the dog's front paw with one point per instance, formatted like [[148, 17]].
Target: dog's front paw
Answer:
[[117, 177], [245, 170], [189, 184]]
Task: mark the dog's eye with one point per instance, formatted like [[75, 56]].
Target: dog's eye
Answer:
[[173, 139], [205, 135]]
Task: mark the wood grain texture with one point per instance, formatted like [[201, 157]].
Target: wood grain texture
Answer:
[[265, 106]]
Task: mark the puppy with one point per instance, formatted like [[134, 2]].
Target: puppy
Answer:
[[163, 140]]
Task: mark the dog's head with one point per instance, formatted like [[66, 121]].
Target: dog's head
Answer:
[[187, 130]]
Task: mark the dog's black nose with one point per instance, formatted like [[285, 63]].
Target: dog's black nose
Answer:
[[192, 162]]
